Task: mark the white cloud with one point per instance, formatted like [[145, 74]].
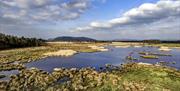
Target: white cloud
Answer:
[[121, 20], [9, 15], [72, 16], [100, 25], [22, 17], [30, 17], [144, 14], [42, 10], [25, 3]]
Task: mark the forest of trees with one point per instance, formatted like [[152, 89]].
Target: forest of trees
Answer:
[[151, 41], [8, 41]]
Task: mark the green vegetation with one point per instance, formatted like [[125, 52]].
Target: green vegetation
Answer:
[[170, 45], [131, 58], [149, 56], [173, 45], [7, 41], [156, 54], [15, 58], [129, 77], [151, 41], [23, 55], [8, 67], [2, 76]]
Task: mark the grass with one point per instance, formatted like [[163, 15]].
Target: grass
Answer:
[[135, 77], [24, 55], [8, 67], [149, 56], [171, 45], [15, 58], [128, 77], [2, 76], [156, 54], [168, 44]]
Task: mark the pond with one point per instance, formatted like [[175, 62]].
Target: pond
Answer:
[[114, 56]]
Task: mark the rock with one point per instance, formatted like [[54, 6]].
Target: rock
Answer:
[[33, 68], [57, 69]]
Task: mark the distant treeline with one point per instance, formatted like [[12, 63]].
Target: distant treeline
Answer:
[[150, 41], [8, 41]]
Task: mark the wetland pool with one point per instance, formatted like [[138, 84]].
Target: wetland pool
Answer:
[[114, 56]]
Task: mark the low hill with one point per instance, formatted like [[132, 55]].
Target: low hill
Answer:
[[68, 38]]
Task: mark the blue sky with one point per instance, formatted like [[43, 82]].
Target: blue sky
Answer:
[[99, 19]]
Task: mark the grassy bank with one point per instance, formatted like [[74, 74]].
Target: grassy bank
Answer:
[[15, 58], [129, 77], [170, 45], [23, 55]]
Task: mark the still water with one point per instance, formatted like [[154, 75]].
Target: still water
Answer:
[[115, 56]]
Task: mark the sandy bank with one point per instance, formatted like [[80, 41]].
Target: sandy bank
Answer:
[[164, 49], [176, 47], [99, 48], [60, 42], [137, 46], [122, 46], [61, 53], [141, 63]]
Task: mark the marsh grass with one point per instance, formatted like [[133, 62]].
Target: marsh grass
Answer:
[[2, 76], [23, 55], [128, 77], [135, 77], [149, 56], [170, 45]]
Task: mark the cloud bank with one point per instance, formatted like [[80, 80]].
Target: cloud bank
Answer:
[[32, 11], [147, 13], [38, 18]]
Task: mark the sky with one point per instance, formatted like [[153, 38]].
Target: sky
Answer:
[[98, 19]]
